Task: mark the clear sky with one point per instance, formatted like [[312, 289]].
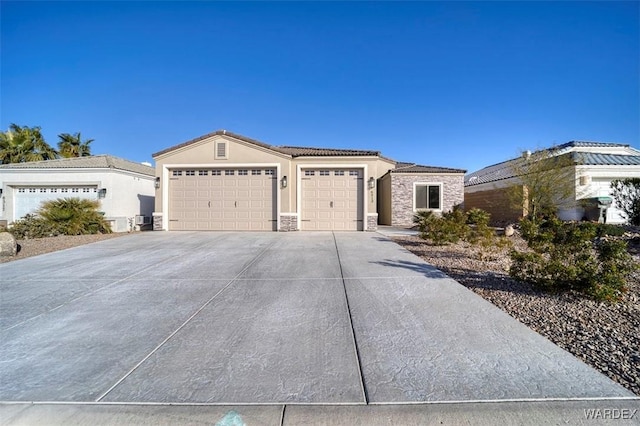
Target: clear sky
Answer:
[[454, 84]]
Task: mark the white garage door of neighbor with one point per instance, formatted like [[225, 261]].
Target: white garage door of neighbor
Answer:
[[222, 199], [29, 199], [332, 200]]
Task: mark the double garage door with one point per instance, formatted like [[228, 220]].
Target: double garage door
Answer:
[[222, 199], [245, 199]]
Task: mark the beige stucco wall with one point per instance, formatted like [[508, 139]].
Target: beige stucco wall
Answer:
[[239, 153], [202, 154], [384, 200], [374, 166]]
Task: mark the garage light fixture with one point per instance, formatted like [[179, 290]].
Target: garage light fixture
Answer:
[[372, 183], [102, 192], [283, 181], [0, 192], [157, 182]]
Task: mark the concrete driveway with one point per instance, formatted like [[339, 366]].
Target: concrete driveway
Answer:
[[267, 318]]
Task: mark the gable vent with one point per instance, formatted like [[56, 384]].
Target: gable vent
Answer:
[[221, 150]]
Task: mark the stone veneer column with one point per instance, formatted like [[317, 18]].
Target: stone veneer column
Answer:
[[372, 222], [157, 221], [288, 222]]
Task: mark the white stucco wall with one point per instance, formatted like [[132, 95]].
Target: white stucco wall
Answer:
[[128, 194]]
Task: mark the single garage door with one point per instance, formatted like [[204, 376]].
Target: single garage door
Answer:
[[28, 199], [332, 200], [222, 200]]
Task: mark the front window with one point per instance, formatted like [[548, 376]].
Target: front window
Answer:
[[427, 196]]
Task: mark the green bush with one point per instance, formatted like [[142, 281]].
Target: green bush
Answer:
[[477, 216], [606, 229], [567, 256], [64, 216], [32, 226]]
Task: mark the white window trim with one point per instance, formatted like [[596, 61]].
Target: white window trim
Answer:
[[365, 174], [413, 195], [166, 170]]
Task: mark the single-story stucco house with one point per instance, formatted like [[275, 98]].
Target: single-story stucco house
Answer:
[[226, 181], [124, 188], [595, 166]]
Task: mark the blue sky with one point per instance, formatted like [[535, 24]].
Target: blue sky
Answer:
[[455, 84]]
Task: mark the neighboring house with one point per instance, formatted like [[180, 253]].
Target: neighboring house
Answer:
[[226, 181], [596, 165], [124, 188]]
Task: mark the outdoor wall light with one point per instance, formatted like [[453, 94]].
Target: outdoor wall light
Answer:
[[0, 192], [283, 181], [372, 183], [102, 192], [157, 182]]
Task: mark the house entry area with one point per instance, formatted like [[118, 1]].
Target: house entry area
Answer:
[[332, 200], [218, 199]]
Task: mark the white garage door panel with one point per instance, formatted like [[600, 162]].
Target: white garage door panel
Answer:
[[227, 201], [27, 200], [332, 200]]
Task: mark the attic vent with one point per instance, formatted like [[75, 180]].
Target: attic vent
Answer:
[[221, 150]]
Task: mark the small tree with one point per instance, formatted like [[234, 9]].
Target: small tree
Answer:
[[546, 182], [626, 193]]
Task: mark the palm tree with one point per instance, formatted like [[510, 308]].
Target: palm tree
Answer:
[[73, 145], [21, 144]]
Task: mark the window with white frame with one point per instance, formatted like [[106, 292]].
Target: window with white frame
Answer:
[[427, 196]]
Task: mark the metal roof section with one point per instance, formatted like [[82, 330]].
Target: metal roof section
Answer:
[[582, 152], [595, 159], [92, 162]]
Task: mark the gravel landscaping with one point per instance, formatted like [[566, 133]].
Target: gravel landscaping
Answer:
[[605, 336], [37, 246]]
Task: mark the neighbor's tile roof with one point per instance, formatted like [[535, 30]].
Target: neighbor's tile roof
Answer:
[[91, 162], [402, 167]]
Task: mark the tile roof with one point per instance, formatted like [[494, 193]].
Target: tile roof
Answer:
[[91, 162], [209, 135], [402, 167], [297, 151], [293, 151]]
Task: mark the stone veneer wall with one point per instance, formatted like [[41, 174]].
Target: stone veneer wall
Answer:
[[372, 222], [402, 194], [288, 222], [157, 221]]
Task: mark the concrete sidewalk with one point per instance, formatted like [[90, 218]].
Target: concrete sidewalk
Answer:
[[530, 413]]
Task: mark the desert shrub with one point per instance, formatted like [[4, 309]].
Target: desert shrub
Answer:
[[32, 226], [422, 219], [64, 216], [567, 256], [477, 216], [607, 229]]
